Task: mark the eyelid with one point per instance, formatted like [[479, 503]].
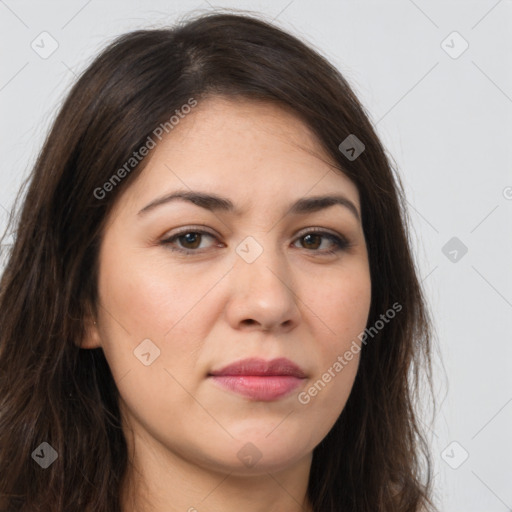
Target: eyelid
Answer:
[[193, 228], [198, 228], [320, 230], [203, 230]]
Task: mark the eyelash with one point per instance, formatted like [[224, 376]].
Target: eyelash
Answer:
[[340, 242]]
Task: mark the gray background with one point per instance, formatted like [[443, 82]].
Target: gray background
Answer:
[[446, 121]]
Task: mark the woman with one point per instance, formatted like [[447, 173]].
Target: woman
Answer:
[[211, 302]]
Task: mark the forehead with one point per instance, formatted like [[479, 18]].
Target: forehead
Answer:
[[220, 124], [243, 149]]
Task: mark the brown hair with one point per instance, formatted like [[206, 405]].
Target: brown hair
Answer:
[[376, 457]]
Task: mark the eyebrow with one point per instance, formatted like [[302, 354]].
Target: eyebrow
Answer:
[[214, 202]]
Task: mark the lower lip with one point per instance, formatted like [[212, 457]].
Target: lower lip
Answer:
[[259, 387]]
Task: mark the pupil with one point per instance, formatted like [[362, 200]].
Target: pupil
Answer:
[[309, 237], [189, 238]]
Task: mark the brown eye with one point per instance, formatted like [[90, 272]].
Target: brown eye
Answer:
[[191, 240], [187, 242], [313, 240]]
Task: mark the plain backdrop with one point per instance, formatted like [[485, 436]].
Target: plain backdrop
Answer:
[[436, 79]]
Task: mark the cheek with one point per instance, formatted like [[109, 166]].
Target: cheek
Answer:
[[148, 296], [342, 304], [151, 309], [149, 299]]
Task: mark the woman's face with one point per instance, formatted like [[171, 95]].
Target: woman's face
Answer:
[[256, 282]]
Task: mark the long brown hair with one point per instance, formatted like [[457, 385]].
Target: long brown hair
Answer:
[[376, 457]]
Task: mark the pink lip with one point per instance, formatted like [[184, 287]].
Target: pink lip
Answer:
[[259, 379]]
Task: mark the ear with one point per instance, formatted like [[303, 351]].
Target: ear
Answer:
[[91, 338]]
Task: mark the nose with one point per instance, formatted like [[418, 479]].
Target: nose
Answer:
[[263, 295]]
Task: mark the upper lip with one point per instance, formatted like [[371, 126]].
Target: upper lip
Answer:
[[260, 367]]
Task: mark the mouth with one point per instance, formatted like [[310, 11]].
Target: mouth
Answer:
[[259, 379]]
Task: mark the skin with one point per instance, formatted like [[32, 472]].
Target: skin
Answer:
[[208, 309]]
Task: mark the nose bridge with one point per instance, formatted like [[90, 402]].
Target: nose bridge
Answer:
[[260, 256], [263, 288]]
